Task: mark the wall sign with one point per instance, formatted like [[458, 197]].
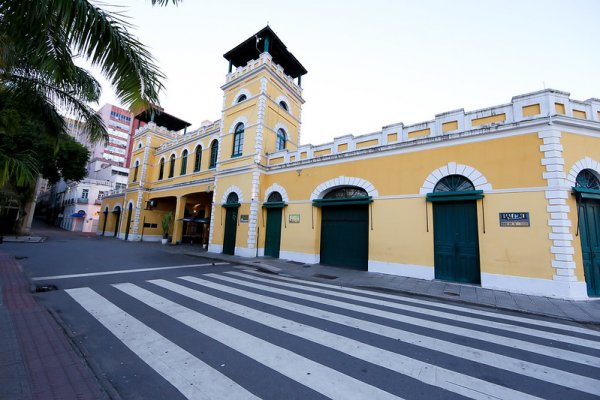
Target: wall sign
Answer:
[[294, 218], [514, 219], [244, 218]]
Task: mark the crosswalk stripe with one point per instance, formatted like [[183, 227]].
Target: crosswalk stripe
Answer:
[[159, 353], [325, 380], [430, 374], [478, 312], [457, 330], [522, 367]]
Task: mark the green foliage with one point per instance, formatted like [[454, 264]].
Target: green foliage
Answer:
[[166, 223]]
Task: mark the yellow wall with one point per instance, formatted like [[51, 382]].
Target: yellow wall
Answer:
[[488, 120], [419, 133], [449, 126], [579, 114], [560, 108], [533, 109]]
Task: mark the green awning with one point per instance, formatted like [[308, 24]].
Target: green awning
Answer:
[[230, 205], [583, 193], [274, 204], [342, 201], [455, 196]]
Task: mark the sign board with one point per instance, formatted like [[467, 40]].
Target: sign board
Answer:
[[244, 218], [514, 219], [294, 218]]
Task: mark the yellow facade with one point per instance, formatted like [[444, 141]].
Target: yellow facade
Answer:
[[516, 163]]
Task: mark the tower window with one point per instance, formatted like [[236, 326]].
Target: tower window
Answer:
[[238, 140], [172, 166], [281, 139], [198, 158], [242, 97], [135, 170], [184, 157], [161, 169], [214, 150], [284, 105]]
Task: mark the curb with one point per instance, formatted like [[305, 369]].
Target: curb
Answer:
[[94, 368]]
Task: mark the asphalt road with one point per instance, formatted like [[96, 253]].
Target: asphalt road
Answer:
[[204, 331]]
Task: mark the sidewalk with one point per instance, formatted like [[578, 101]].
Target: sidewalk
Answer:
[[37, 361], [585, 311]]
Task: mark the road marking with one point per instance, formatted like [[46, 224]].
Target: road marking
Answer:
[[323, 379], [594, 344], [123, 271], [478, 312], [184, 371], [541, 372], [568, 355], [430, 374]]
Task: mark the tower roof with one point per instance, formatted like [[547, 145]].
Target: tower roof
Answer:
[[163, 119], [250, 49]]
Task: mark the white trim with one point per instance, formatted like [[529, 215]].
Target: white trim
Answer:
[[151, 238], [408, 270], [535, 286], [245, 252], [276, 188], [343, 181], [307, 258], [284, 99], [584, 163], [183, 149], [452, 168], [199, 143], [232, 189], [238, 94], [239, 120], [215, 248], [117, 205]]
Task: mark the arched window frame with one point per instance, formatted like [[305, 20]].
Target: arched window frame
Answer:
[[172, 166], [241, 97], [453, 183], [184, 158], [587, 178], [281, 139], [238, 140], [198, 158], [284, 105], [161, 169], [214, 151]]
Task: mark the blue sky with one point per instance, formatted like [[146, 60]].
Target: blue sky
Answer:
[[373, 63]]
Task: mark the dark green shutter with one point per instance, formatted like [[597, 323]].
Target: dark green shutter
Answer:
[[589, 232], [231, 216], [273, 232], [345, 235]]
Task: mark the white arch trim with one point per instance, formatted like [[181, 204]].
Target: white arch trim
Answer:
[[138, 161], [343, 181], [119, 206], [242, 119], [281, 125], [479, 181], [232, 189], [238, 94], [276, 188], [199, 143], [584, 163], [185, 148], [281, 98]]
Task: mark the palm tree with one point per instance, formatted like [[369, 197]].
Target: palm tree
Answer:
[[39, 40]]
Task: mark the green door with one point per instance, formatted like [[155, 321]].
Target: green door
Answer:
[[456, 244], [589, 228], [345, 236], [230, 229], [273, 233]]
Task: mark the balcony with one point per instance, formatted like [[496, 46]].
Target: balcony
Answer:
[[81, 200]]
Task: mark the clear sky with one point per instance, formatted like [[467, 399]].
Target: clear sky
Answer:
[[377, 62]]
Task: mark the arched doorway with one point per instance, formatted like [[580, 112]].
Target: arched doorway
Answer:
[[587, 191], [105, 212], [117, 213], [274, 206], [345, 227], [128, 225], [231, 218], [455, 231]]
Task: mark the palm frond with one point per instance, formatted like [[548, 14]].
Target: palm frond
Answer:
[[21, 168]]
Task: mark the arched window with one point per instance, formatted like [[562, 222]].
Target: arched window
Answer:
[[274, 197], [347, 192], [184, 162], [198, 158], [238, 140], [161, 169], [283, 105], [241, 98], [214, 150], [135, 170], [172, 166], [281, 139], [453, 183], [232, 198], [586, 179]]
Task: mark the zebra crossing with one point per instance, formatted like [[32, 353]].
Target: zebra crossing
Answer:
[[323, 341]]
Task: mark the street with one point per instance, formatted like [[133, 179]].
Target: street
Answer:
[[160, 324]]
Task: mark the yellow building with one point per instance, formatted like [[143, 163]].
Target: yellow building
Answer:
[[507, 197]]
